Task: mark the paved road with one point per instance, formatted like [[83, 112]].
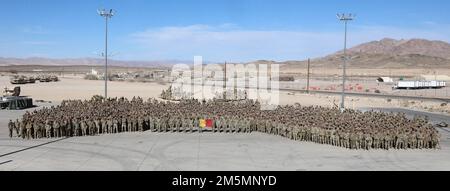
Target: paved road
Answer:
[[433, 117], [375, 95]]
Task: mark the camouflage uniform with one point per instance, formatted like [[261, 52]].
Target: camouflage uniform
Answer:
[[10, 128], [69, 127], [48, 129], [84, 127], [17, 127], [141, 124], [123, 125], [23, 130], [104, 126], [115, 126], [56, 129]]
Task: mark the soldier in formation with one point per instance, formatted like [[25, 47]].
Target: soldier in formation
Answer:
[[11, 127], [349, 129]]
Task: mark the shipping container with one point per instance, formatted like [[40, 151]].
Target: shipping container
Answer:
[[419, 84]]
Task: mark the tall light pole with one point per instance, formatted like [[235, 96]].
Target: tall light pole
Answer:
[[107, 14], [344, 18], [307, 77]]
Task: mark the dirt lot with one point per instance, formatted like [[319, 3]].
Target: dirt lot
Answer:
[[74, 87]]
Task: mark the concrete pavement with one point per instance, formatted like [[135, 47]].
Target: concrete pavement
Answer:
[[206, 151]]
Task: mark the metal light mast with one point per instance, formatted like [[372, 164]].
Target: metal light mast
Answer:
[[107, 14], [344, 18]]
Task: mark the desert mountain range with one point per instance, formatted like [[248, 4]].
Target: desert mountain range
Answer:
[[81, 62], [385, 53]]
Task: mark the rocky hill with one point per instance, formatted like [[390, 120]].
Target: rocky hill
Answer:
[[402, 47], [387, 53]]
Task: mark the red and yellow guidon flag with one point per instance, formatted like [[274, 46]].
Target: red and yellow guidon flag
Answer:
[[202, 123], [206, 123], [209, 123]]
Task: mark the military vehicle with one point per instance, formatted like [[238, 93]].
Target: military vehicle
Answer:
[[30, 80], [47, 78], [44, 78], [12, 100], [54, 78], [22, 79], [18, 79]]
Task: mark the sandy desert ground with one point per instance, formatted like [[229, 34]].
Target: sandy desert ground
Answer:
[[74, 87]]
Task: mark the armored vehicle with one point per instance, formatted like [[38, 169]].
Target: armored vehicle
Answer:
[[18, 80], [44, 78], [54, 78], [30, 80], [12, 100]]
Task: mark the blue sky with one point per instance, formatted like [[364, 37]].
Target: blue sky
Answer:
[[218, 30]]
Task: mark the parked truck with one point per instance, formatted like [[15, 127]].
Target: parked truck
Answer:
[[419, 84]]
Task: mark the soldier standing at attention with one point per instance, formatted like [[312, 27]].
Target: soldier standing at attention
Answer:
[[115, 126], [29, 127], [196, 122], [140, 123], [41, 126], [10, 128], [188, 123], [83, 127], [48, 129], [110, 125], [36, 129], [178, 123], [124, 125], [103, 120], [68, 128], [77, 127], [62, 127], [136, 123], [170, 123], [23, 129], [152, 124], [147, 122], [56, 131], [158, 124], [17, 127], [131, 125]]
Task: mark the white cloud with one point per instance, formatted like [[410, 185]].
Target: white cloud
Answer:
[[228, 42]]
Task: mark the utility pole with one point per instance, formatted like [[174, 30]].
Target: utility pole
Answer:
[[107, 15], [345, 18], [225, 82], [307, 81], [435, 81]]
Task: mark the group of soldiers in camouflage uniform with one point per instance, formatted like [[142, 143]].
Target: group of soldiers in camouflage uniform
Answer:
[[349, 129]]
